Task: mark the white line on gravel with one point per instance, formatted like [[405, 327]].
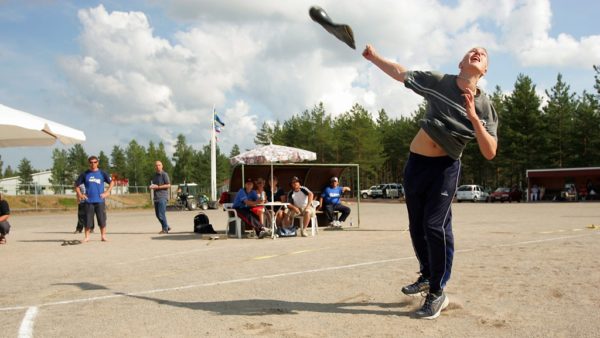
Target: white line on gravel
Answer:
[[26, 329]]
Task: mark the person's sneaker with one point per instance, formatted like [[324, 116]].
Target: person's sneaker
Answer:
[[162, 232], [337, 224], [433, 306], [264, 233], [304, 233], [421, 285]]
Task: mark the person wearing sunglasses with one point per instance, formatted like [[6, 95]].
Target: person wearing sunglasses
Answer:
[[94, 179]]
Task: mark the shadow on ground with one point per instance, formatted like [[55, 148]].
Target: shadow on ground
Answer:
[[259, 307]]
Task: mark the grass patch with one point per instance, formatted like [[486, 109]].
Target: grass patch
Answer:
[[67, 202]]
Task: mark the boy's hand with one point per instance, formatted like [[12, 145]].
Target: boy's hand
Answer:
[[369, 53]]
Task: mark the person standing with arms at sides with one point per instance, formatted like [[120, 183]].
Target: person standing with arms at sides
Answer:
[[4, 215], [160, 185], [457, 112], [93, 179]]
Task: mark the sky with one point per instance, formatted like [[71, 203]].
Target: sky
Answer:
[[150, 70]]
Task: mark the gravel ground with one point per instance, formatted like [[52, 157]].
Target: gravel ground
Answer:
[[528, 270]]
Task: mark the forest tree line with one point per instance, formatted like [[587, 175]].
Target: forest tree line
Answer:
[[562, 132]]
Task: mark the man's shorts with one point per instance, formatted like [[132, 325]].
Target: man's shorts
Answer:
[[98, 209], [4, 228], [292, 213]]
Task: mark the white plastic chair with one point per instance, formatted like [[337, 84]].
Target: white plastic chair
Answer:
[[232, 217], [314, 225]]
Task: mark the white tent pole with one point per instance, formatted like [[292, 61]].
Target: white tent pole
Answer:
[[213, 159]]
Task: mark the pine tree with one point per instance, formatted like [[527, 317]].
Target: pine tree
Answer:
[[235, 150], [103, 162], [586, 128], [60, 173], [521, 132], [359, 142], [78, 161], [183, 157], [9, 172], [118, 163], [558, 117], [161, 155], [137, 165], [264, 135], [25, 176]]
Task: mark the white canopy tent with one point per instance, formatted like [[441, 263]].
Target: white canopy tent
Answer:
[[21, 129]]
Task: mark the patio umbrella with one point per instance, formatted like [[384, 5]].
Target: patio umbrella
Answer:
[[273, 154], [21, 129]]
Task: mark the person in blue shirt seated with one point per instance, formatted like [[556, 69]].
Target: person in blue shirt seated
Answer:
[[330, 202], [245, 199]]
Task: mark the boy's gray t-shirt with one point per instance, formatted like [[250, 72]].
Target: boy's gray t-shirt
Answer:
[[446, 119], [160, 179]]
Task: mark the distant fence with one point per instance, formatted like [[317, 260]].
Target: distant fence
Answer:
[[49, 189], [34, 197]]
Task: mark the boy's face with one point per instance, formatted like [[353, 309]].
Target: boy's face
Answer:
[[475, 58]]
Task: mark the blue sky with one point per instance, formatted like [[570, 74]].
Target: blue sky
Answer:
[[152, 69]]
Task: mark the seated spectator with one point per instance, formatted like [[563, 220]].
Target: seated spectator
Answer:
[[259, 210], [275, 193], [300, 199], [4, 215], [331, 202], [245, 199]]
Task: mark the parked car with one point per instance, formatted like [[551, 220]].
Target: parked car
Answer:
[[471, 192], [504, 194], [386, 190], [393, 190], [373, 192]]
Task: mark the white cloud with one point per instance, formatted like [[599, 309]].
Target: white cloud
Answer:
[[240, 126], [526, 34], [263, 61]]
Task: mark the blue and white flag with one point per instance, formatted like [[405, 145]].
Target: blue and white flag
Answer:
[[218, 120]]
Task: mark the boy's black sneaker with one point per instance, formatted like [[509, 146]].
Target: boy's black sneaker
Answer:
[[421, 285], [433, 306]]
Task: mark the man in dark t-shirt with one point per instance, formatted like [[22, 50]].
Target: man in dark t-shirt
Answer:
[[160, 186]]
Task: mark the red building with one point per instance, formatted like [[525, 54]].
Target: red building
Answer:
[[555, 182]]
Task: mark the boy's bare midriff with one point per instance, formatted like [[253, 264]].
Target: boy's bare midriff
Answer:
[[422, 144]]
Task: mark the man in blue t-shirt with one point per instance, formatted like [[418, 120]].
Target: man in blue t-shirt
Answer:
[[244, 200], [93, 179], [330, 202]]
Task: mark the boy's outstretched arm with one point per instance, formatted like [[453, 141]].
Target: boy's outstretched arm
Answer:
[[392, 69]]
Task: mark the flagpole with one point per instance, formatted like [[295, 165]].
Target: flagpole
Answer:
[[213, 160]]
